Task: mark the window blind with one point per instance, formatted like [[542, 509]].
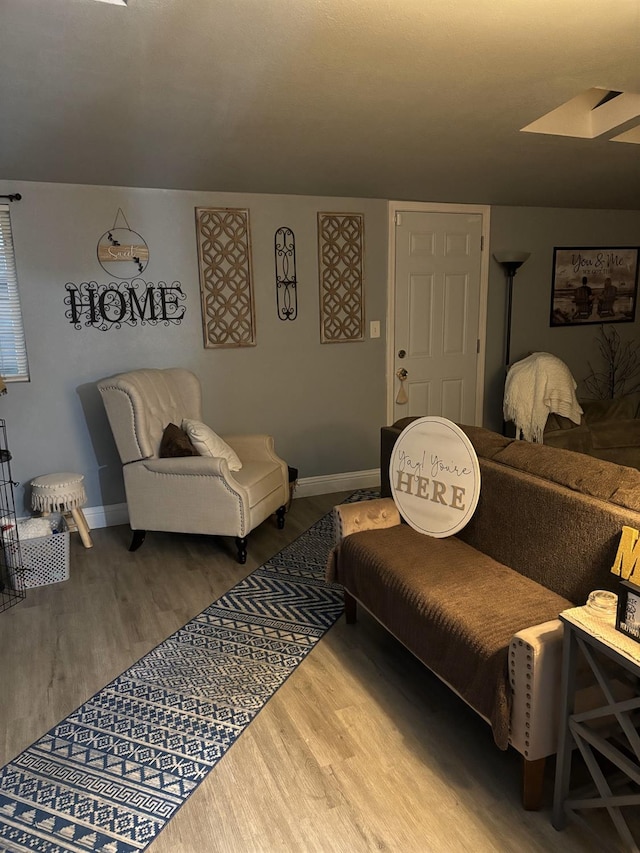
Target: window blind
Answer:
[[13, 351]]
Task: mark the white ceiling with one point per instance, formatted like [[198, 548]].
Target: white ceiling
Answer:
[[399, 99]]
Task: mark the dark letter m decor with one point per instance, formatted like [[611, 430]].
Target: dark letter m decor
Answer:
[[226, 289], [341, 262]]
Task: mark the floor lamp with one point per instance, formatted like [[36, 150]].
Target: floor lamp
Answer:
[[510, 262]]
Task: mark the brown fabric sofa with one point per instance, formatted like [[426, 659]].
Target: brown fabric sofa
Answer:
[[609, 429], [480, 608]]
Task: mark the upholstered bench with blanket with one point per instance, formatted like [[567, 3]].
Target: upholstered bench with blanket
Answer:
[[480, 608]]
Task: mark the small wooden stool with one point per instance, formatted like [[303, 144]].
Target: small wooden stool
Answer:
[[62, 493]]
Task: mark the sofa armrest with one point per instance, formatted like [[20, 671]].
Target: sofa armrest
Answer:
[[535, 665], [185, 466], [364, 515], [535, 674], [355, 518], [253, 448], [556, 422]]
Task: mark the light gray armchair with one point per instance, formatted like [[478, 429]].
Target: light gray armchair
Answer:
[[188, 494]]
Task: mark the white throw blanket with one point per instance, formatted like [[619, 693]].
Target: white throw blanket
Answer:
[[536, 386]]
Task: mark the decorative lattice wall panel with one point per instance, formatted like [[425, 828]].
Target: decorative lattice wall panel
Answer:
[[226, 286], [341, 265]]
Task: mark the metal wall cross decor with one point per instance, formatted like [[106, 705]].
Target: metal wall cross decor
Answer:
[[286, 278]]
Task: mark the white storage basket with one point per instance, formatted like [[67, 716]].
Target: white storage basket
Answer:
[[45, 559]]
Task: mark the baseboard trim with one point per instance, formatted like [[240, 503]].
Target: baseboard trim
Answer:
[[106, 516], [325, 485], [111, 516]]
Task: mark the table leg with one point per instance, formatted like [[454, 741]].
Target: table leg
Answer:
[[83, 527]]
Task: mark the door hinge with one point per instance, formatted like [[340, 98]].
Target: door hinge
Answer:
[[482, 244], [478, 346], [397, 218]]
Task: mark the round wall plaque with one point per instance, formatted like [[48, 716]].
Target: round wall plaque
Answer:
[[435, 476]]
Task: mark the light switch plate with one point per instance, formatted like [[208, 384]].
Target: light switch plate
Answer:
[[374, 329]]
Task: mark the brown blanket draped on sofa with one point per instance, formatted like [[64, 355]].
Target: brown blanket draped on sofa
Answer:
[[464, 637]]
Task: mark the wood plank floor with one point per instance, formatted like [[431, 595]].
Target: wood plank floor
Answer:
[[361, 750]]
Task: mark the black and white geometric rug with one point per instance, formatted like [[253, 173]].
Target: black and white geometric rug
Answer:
[[111, 775]]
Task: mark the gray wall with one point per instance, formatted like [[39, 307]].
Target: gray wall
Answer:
[[538, 230], [324, 403]]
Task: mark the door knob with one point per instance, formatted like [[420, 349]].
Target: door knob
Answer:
[[402, 374], [402, 353]]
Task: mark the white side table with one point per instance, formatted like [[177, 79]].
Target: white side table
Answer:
[[597, 641]]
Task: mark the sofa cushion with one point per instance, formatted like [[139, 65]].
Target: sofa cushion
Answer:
[[209, 443], [616, 433], [577, 439], [260, 479], [618, 408], [175, 442], [454, 607]]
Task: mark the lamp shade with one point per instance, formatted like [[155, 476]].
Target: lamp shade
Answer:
[[515, 258]]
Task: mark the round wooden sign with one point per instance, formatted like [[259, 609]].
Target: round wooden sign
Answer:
[[435, 476]]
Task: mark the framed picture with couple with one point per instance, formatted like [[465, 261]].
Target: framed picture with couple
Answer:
[[592, 285]]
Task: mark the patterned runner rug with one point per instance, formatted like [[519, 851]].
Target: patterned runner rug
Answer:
[[111, 775]]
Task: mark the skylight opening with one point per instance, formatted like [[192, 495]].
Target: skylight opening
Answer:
[[591, 114], [606, 98]]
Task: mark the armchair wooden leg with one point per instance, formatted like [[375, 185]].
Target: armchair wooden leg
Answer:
[[533, 784], [350, 608], [280, 514], [241, 545], [137, 539]]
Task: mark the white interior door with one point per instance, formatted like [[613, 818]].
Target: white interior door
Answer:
[[437, 314]]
